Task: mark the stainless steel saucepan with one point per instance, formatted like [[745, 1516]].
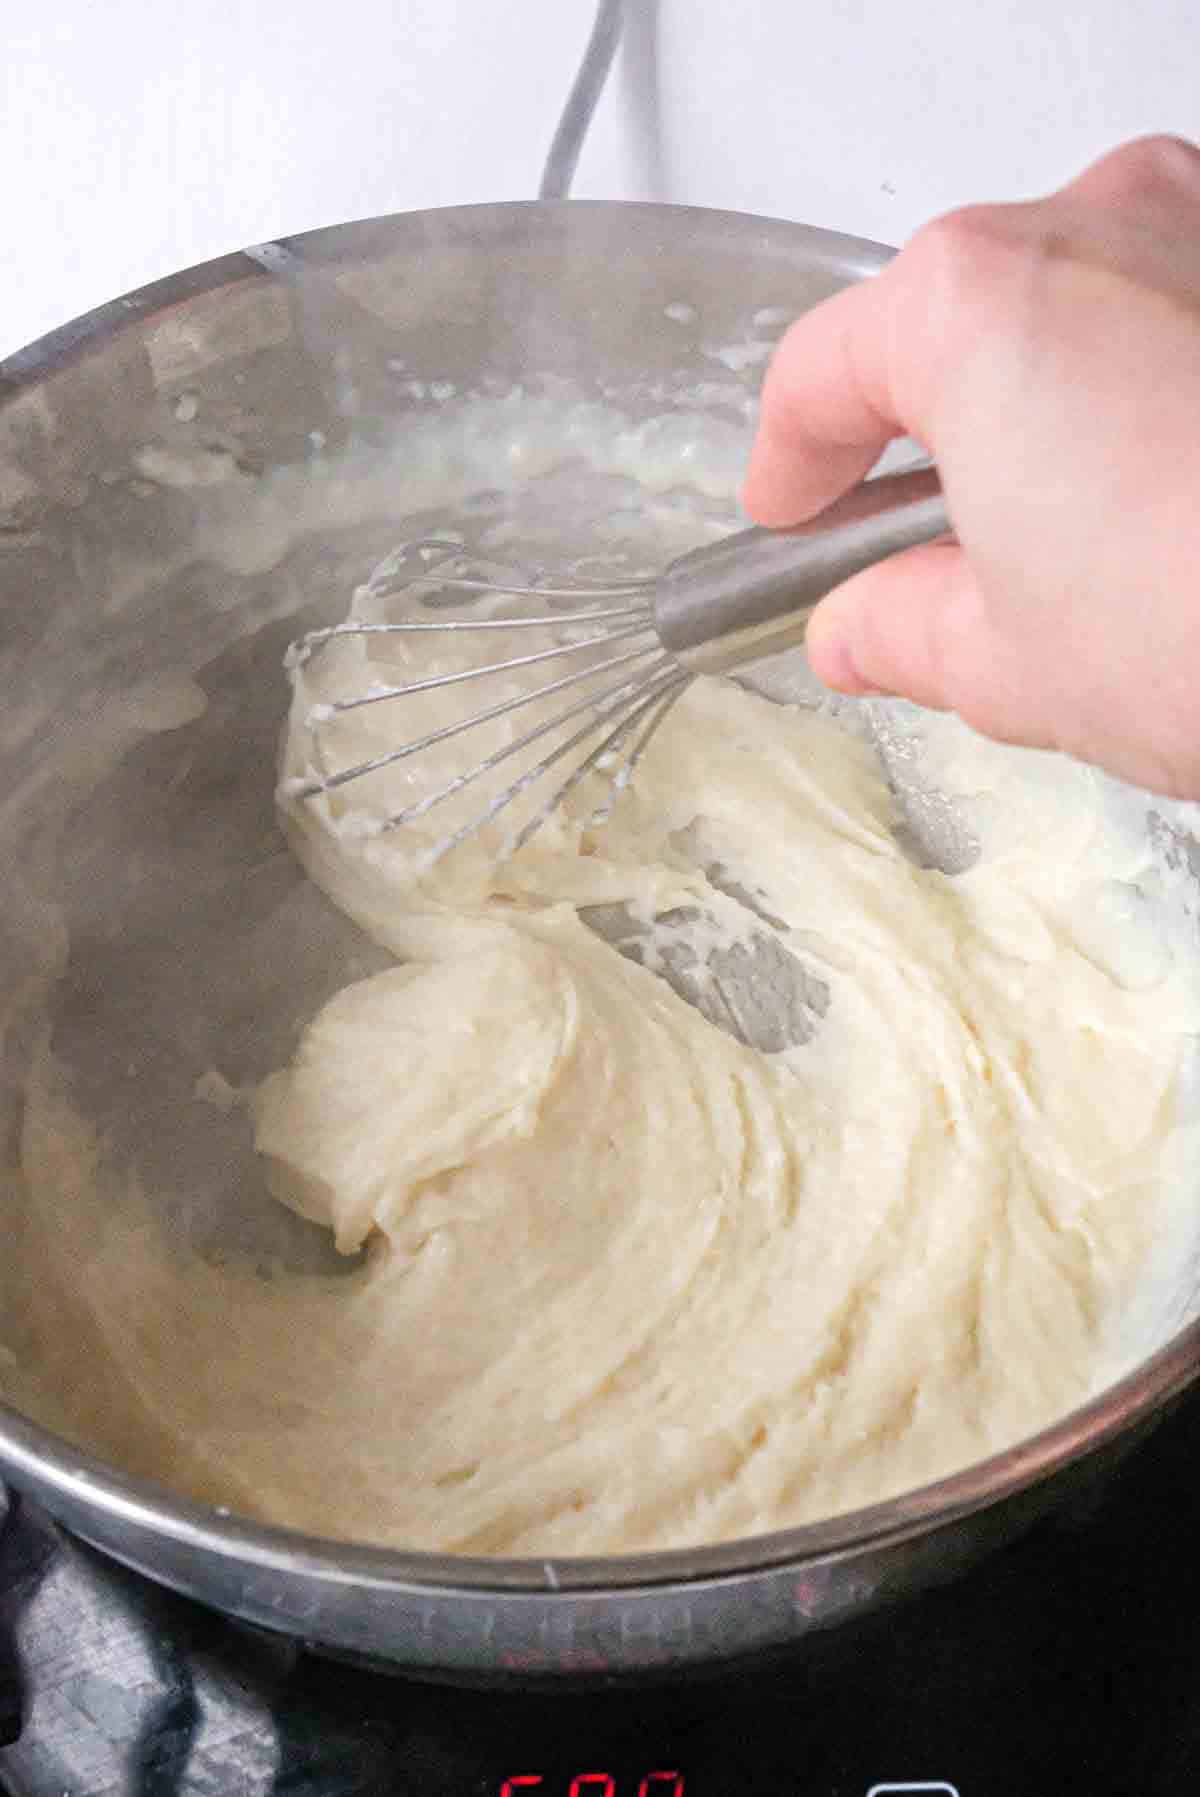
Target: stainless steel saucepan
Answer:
[[186, 476]]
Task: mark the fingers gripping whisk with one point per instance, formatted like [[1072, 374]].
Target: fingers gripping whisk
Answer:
[[584, 682]]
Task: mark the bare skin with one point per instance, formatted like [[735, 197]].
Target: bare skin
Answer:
[[1048, 356]]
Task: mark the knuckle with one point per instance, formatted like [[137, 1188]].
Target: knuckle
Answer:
[[1159, 163], [963, 254], [962, 273]]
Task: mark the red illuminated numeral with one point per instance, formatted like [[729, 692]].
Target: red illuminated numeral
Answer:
[[599, 1784]]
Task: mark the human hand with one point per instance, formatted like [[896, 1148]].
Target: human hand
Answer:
[[1048, 356]]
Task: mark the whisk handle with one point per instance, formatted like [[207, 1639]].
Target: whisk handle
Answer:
[[751, 594]]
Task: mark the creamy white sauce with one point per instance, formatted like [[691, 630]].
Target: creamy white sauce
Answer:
[[897, 1186], [634, 1282]]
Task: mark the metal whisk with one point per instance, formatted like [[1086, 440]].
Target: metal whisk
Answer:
[[712, 610]]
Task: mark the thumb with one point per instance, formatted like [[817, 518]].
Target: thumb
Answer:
[[907, 626]]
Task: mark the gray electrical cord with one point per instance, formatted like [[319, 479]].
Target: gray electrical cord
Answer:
[[586, 89]]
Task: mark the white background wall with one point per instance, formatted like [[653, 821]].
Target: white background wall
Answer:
[[137, 137]]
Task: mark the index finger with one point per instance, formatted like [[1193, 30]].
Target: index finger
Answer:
[[828, 410], [871, 363]]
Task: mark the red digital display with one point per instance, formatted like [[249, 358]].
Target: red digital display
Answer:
[[595, 1784]]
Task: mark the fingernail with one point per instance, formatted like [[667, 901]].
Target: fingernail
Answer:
[[760, 501], [832, 659]]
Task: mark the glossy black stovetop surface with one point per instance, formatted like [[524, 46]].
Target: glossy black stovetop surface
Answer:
[[1068, 1663]]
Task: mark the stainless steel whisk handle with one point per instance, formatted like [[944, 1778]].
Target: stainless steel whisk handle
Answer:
[[752, 594]]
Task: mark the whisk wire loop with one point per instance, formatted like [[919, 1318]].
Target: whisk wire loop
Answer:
[[308, 789], [670, 676], [375, 695], [714, 610], [602, 705]]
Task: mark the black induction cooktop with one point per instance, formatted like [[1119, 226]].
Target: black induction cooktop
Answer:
[[1069, 1663]]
